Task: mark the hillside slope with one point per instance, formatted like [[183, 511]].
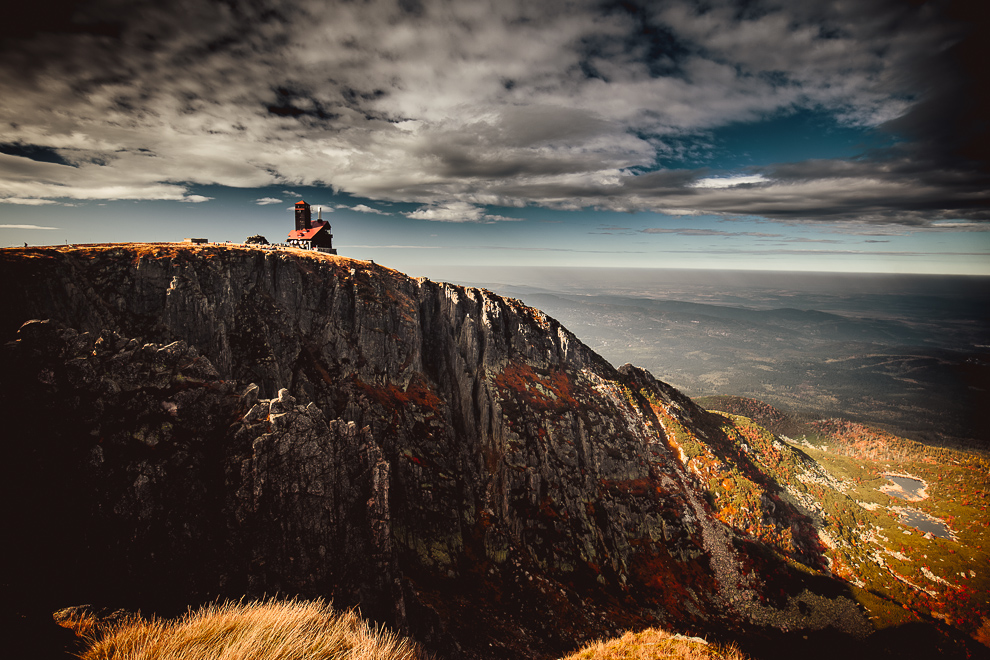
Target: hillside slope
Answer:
[[195, 422]]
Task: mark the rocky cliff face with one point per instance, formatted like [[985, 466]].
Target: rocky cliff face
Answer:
[[189, 422]]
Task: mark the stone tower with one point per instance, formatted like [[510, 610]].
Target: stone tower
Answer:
[[303, 215]]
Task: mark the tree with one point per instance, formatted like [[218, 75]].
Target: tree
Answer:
[[257, 239]]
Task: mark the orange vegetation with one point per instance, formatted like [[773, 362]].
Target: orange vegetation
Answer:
[[552, 390], [267, 630], [419, 392], [654, 644], [171, 250], [867, 442]]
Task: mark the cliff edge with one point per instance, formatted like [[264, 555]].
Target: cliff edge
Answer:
[[193, 422]]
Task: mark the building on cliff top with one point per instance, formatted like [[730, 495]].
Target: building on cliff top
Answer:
[[311, 234]]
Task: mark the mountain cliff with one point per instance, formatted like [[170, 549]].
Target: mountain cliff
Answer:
[[193, 422]]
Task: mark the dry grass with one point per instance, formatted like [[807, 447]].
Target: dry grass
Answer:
[[83, 622], [654, 644], [265, 630], [982, 634]]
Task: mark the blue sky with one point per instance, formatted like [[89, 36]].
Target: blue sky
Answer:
[[760, 135]]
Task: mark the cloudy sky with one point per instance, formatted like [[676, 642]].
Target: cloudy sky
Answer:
[[847, 135]]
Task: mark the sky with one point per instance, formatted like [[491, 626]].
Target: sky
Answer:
[[820, 135]]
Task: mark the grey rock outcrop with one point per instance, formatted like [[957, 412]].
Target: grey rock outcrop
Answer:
[[457, 463]]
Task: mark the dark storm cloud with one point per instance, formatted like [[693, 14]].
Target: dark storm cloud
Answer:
[[948, 125], [460, 105]]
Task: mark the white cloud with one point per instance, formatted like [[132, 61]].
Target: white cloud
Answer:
[[263, 201], [448, 212], [125, 177], [729, 181], [958, 225], [456, 212], [489, 218], [25, 227], [364, 208], [26, 202]]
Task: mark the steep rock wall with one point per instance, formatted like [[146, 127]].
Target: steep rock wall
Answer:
[[456, 462]]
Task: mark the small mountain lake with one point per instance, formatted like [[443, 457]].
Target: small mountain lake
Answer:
[[905, 487], [924, 522]]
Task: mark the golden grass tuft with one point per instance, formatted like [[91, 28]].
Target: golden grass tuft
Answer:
[[654, 644], [982, 634], [82, 622], [259, 630]]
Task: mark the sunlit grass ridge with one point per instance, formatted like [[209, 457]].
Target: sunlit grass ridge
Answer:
[[313, 630], [655, 644], [261, 630]]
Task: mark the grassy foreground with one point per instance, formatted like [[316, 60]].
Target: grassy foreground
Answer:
[[654, 644], [313, 630], [265, 630]]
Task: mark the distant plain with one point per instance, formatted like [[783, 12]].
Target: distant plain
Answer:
[[910, 353]]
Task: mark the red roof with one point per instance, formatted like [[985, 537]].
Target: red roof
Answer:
[[304, 234], [301, 201]]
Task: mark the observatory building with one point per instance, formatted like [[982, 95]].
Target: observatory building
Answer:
[[311, 234]]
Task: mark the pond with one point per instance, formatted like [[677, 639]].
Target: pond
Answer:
[[905, 487], [924, 522]]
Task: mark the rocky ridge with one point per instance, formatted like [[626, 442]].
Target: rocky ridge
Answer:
[[457, 463]]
